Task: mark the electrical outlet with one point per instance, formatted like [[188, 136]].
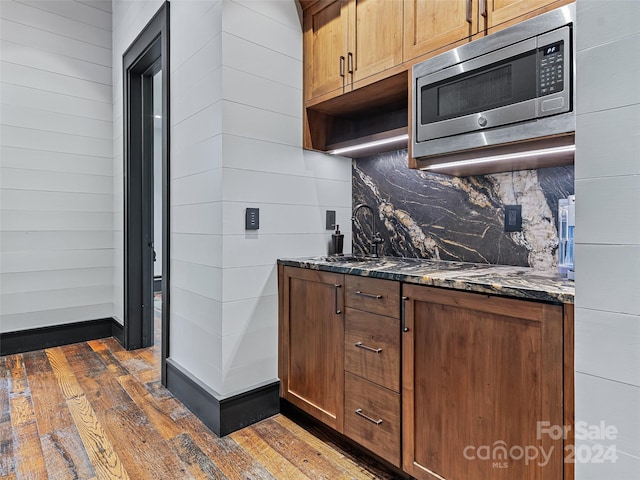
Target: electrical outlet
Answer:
[[252, 219], [331, 219], [513, 218]]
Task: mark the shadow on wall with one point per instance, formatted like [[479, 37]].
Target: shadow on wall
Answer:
[[428, 215]]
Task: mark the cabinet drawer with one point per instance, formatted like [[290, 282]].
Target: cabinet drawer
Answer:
[[372, 295], [372, 347], [372, 417]]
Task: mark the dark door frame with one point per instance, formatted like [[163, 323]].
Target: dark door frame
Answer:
[[148, 54]]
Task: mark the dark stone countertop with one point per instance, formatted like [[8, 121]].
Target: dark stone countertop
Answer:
[[519, 282]]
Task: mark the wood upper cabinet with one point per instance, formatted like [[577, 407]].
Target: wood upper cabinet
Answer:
[[311, 338], [501, 11], [432, 24], [479, 373], [375, 39], [326, 26], [348, 40]]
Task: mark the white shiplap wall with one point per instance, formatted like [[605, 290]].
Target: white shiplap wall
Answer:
[[236, 93], [196, 189], [607, 330], [56, 198], [264, 166]]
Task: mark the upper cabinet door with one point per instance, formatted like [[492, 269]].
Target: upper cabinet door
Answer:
[[375, 40], [325, 48], [500, 11], [432, 24]]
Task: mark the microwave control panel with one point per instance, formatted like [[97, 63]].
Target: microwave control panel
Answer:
[[550, 69]]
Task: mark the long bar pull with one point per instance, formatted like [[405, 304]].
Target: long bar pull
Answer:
[[403, 313], [370, 349], [483, 8], [377, 422], [469, 19], [335, 299], [368, 295], [342, 65], [350, 63]]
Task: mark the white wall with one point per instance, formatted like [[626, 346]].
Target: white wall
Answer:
[[607, 172], [236, 106], [264, 166], [196, 189], [56, 199]]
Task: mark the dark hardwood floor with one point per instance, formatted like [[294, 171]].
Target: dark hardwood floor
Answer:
[[93, 410]]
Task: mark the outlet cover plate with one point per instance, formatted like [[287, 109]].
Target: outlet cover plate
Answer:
[[513, 218], [331, 220]]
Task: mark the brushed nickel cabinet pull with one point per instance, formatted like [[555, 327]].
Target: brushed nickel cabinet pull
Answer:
[[483, 8], [469, 11], [342, 65], [335, 299], [377, 422], [403, 313], [368, 295], [370, 349], [350, 63]]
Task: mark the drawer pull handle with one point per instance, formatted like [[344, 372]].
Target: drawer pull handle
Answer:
[[368, 295], [403, 314], [335, 299], [377, 422], [370, 349]]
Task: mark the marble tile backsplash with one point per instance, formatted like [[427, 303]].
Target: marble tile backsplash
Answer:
[[427, 215]]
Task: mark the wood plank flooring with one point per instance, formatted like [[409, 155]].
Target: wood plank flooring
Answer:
[[93, 410]]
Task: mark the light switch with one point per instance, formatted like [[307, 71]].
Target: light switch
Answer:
[[252, 219]]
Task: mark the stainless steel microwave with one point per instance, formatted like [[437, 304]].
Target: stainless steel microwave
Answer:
[[515, 85]]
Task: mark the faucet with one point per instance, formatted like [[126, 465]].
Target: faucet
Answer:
[[375, 236]]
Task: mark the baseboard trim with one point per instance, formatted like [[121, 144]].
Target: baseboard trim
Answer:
[[223, 415], [56, 335]]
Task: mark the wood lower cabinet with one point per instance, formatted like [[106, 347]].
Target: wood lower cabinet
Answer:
[[442, 383], [372, 417], [372, 365], [311, 343], [479, 373]]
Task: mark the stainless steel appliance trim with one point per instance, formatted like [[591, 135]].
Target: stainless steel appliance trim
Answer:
[[564, 35], [527, 130]]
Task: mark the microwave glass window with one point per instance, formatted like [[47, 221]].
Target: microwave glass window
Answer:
[[503, 83], [481, 91]]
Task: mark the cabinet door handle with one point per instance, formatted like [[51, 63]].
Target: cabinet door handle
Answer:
[[403, 314], [377, 422], [350, 63], [342, 65], [368, 295], [335, 299], [469, 11], [369, 349], [483, 8]]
